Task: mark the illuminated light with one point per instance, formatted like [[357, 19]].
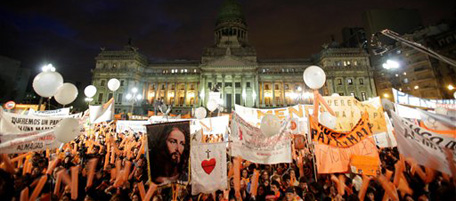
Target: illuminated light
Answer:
[[390, 64], [299, 89], [139, 97], [386, 95], [416, 87], [134, 90], [450, 87], [47, 68], [268, 94], [397, 75], [128, 96], [405, 73]]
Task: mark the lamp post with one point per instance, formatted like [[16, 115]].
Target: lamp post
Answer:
[[133, 97]]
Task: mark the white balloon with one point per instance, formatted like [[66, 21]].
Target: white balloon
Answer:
[[113, 84], [90, 91], [328, 120], [270, 125], [200, 113], [212, 105], [314, 77], [335, 95], [46, 83], [67, 129], [66, 94], [454, 95]]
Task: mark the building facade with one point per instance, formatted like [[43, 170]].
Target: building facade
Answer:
[[232, 67]]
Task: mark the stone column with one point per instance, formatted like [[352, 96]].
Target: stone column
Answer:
[[273, 94], [283, 94], [262, 94], [175, 93], [185, 93], [166, 94]]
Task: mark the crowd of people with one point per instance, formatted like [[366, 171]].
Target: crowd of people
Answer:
[[113, 166]]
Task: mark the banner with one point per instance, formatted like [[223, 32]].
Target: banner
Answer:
[[324, 135], [348, 111], [49, 113], [364, 165], [249, 143], [418, 145], [133, 126], [443, 141], [334, 159], [438, 123], [215, 126], [27, 122], [209, 172], [386, 139], [168, 152], [407, 112], [100, 113], [407, 99], [28, 141], [296, 113]]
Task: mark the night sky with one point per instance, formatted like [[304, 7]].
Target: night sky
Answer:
[[69, 33]]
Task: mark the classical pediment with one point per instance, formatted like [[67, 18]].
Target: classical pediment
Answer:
[[229, 61]]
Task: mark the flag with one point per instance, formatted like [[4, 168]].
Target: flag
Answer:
[[101, 113], [208, 167]]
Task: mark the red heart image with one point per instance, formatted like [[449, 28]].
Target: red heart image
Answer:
[[208, 165]]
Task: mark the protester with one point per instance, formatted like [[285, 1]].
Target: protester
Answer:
[[113, 166]]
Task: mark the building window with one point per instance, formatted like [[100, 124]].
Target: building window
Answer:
[[352, 94], [102, 83], [350, 81], [219, 84], [248, 84], [361, 81], [363, 96], [209, 85], [122, 82], [237, 85], [276, 87], [100, 97], [172, 87], [266, 87], [119, 98], [192, 87], [339, 81], [228, 84], [163, 86], [109, 96], [355, 62], [286, 86]]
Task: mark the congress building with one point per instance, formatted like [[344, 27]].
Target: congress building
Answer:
[[230, 66]]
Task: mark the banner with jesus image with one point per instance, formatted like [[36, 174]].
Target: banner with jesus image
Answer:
[[168, 152], [208, 167]]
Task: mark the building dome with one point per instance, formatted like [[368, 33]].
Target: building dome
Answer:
[[230, 11]]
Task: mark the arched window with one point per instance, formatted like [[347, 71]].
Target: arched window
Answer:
[[361, 81], [350, 81]]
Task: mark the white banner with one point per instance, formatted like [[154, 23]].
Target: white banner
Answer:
[[27, 122], [28, 141], [101, 113], [250, 143], [413, 142], [407, 112], [49, 113], [386, 139], [407, 99], [135, 126], [297, 114], [208, 167], [211, 126]]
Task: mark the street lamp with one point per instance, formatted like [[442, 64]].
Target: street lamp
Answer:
[[133, 97], [450, 87], [391, 64]]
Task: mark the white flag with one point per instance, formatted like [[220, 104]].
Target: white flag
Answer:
[[102, 113], [208, 167]]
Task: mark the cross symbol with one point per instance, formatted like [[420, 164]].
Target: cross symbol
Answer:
[[207, 152]]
